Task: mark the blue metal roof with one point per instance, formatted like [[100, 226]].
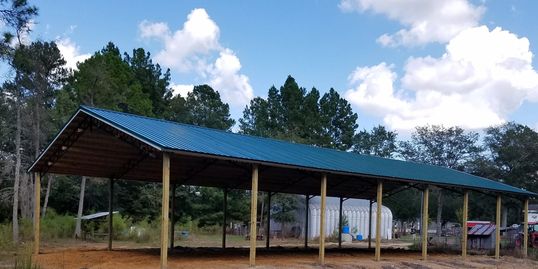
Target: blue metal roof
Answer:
[[177, 137]]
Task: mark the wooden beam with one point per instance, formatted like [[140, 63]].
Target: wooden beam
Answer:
[[370, 226], [525, 227], [307, 212], [322, 219], [253, 215], [110, 211], [378, 221], [340, 223], [424, 226], [164, 210], [464, 224], [172, 215], [37, 211], [224, 216], [498, 228], [268, 230]]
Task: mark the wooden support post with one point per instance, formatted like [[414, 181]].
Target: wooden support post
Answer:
[[253, 215], [378, 221], [224, 216], [110, 212], [164, 210], [464, 224], [340, 223], [322, 219], [525, 226], [268, 230], [37, 211], [172, 215], [370, 226], [425, 217], [498, 228], [307, 212]]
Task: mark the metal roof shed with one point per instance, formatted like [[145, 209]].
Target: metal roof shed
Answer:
[[103, 143]]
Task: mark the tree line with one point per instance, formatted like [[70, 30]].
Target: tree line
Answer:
[[40, 94]]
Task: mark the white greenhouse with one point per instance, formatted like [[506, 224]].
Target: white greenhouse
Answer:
[[356, 211]]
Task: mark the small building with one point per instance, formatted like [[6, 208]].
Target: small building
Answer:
[[356, 211], [481, 236]]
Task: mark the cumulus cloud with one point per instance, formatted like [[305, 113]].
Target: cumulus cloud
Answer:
[[195, 48], [425, 20], [71, 53], [181, 89], [482, 77], [233, 86]]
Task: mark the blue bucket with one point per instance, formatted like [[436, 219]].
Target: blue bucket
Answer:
[[359, 237], [345, 229]]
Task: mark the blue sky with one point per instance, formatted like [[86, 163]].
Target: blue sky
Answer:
[[400, 80]]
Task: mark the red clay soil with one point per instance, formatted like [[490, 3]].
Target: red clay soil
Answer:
[[212, 258]]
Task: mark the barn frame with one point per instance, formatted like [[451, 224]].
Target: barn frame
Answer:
[[107, 144]]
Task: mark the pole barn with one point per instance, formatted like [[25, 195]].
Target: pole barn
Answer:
[[114, 145]]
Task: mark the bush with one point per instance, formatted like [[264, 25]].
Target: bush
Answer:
[[119, 227], [55, 226]]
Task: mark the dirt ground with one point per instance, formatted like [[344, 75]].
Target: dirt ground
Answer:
[[96, 257]]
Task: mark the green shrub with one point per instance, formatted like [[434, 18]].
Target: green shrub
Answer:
[[55, 226], [119, 227]]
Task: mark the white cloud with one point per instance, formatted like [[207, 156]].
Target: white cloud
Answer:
[[181, 89], [185, 49], [233, 86], [425, 20], [195, 48], [71, 53], [481, 78]]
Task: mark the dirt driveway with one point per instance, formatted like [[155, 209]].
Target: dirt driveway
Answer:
[[212, 258]]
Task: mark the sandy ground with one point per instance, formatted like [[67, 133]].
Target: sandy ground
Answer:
[[96, 257]]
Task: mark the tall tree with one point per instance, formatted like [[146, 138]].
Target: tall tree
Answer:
[[16, 15], [296, 115], [40, 70], [514, 153], [202, 107], [450, 147], [378, 142], [153, 81], [339, 122], [107, 81], [205, 108]]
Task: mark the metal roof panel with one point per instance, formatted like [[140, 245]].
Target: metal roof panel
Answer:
[[172, 136]]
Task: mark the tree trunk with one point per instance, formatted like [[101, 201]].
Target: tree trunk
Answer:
[[26, 194], [49, 186], [15, 219], [78, 229], [439, 212]]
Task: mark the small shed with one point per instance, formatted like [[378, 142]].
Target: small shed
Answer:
[[481, 236], [90, 223]]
